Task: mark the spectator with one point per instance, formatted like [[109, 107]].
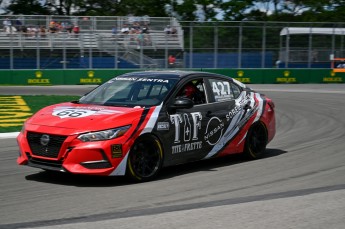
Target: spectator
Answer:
[[114, 31], [145, 29], [43, 31], [146, 33], [136, 27], [76, 30], [125, 29], [69, 27], [58, 27], [63, 27], [171, 61], [24, 30], [167, 29], [7, 25], [52, 27], [32, 31], [140, 39], [18, 25], [173, 31]]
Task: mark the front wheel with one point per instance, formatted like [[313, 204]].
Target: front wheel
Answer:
[[256, 141], [145, 159]]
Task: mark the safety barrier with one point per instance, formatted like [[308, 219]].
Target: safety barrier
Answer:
[[248, 76]]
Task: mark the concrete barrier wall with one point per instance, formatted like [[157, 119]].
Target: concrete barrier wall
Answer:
[[255, 76]]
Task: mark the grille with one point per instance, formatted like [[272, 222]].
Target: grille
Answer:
[[50, 149]]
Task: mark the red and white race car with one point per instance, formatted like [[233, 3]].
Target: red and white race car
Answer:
[[139, 122]]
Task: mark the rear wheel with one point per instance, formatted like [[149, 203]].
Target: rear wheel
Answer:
[[256, 141], [145, 159]]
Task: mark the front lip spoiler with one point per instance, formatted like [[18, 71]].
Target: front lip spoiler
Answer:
[[45, 164]]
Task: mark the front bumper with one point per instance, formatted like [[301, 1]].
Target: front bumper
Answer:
[[72, 155]]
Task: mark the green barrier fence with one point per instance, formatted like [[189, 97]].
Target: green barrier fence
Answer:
[[98, 76]]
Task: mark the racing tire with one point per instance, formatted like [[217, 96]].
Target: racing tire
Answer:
[[145, 159], [256, 141]]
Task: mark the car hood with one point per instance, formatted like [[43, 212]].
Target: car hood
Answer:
[[85, 117]]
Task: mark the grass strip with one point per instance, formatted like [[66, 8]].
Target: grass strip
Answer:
[[14, 110]]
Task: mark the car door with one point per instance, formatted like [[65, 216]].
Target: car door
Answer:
[[184, 140], [223, 95]]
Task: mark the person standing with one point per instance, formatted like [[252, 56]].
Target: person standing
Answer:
[[7, 25], [171, 61], [76, 30]]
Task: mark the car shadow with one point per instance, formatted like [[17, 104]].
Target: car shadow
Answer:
[[77, 180], [213, 164]]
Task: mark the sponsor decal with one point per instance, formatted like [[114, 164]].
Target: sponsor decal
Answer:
[[214, 131], [44, 140], [238, 107], [39, 79], [186, 147], [181, 122], [188, 130], [237, 118], [333, 78], [221, 90], [163, 126], [142, 79], [242, 79], [286, 78], [90, 78], [79, 112], [116, 151]]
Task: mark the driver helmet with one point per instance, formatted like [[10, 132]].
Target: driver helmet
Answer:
[[189, 90]]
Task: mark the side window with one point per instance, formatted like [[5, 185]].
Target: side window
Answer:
[[193, 90], [223, 90], [235, 90]]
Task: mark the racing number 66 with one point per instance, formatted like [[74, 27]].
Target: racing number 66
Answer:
[[71, 113]]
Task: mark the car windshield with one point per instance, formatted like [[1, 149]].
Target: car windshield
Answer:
[[130, 91]]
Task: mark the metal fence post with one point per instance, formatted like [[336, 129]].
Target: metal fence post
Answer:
[[310, 47], [38, 59], [287, 42], [263, 60], [215, 62], [239, 58], [190, 46]]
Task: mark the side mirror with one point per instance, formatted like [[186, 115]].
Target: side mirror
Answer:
[[182, 103]]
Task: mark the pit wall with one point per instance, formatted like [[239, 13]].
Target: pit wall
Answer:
[[98, 76]]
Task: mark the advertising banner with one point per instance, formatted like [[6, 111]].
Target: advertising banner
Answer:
[[99, 76]]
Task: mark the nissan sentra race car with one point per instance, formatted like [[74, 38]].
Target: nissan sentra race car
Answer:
[[139, 122]]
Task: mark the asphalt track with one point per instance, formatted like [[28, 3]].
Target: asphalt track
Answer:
[[299, 184]]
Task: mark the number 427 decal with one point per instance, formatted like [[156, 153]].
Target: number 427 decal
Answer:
[[221, 88]]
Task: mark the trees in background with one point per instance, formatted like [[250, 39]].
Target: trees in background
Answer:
[[188, 10]]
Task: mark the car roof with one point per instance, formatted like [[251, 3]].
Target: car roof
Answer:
[[167, 74]]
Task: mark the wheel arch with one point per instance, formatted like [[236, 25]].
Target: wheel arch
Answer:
[[150, 138], [248, 150]]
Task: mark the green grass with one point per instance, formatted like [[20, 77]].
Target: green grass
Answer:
[[34, 102]]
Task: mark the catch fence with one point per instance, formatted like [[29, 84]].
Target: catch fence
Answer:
[[49, 42]]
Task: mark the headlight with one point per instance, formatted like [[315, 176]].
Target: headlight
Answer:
[[104, 134]]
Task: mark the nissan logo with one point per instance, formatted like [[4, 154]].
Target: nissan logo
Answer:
[[44, 139]]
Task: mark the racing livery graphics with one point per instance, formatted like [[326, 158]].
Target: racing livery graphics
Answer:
[[139, 122]]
